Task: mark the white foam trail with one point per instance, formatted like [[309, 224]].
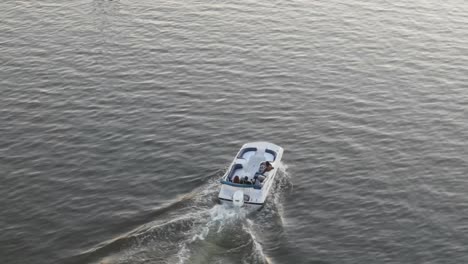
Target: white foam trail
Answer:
[[212, 222], [258, 247], [218, 216], [183, 254]]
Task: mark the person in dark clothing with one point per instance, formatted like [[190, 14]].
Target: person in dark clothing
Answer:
[[246, 180]]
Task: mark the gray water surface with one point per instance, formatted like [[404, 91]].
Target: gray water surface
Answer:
[[117, 118]]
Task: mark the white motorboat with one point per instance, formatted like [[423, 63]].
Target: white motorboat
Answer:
[[251, 175]]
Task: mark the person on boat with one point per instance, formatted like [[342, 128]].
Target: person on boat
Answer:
[[246, 180], [236, 179], [260, 177], [265, 167], [268, 166], [262, 167], [257, 183]]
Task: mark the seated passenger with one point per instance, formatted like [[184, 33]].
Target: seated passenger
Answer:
[[236, 179], [262, 167], [261, 178], [269, 167], [258, 178], [265, 167], [247, 181], [258, 184]]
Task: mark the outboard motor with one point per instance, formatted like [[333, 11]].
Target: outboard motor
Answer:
[[238, 198]]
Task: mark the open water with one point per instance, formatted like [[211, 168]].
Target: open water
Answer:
[[117, 118]]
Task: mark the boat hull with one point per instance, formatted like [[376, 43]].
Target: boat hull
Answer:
[[247, 164], [248, 206]]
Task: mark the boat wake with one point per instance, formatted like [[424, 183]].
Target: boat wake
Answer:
[[195, 229]]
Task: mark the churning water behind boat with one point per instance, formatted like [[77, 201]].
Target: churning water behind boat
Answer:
[[196, 229]]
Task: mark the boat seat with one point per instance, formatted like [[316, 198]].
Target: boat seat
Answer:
[[244, 151], [236, 169], [271, 153]]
